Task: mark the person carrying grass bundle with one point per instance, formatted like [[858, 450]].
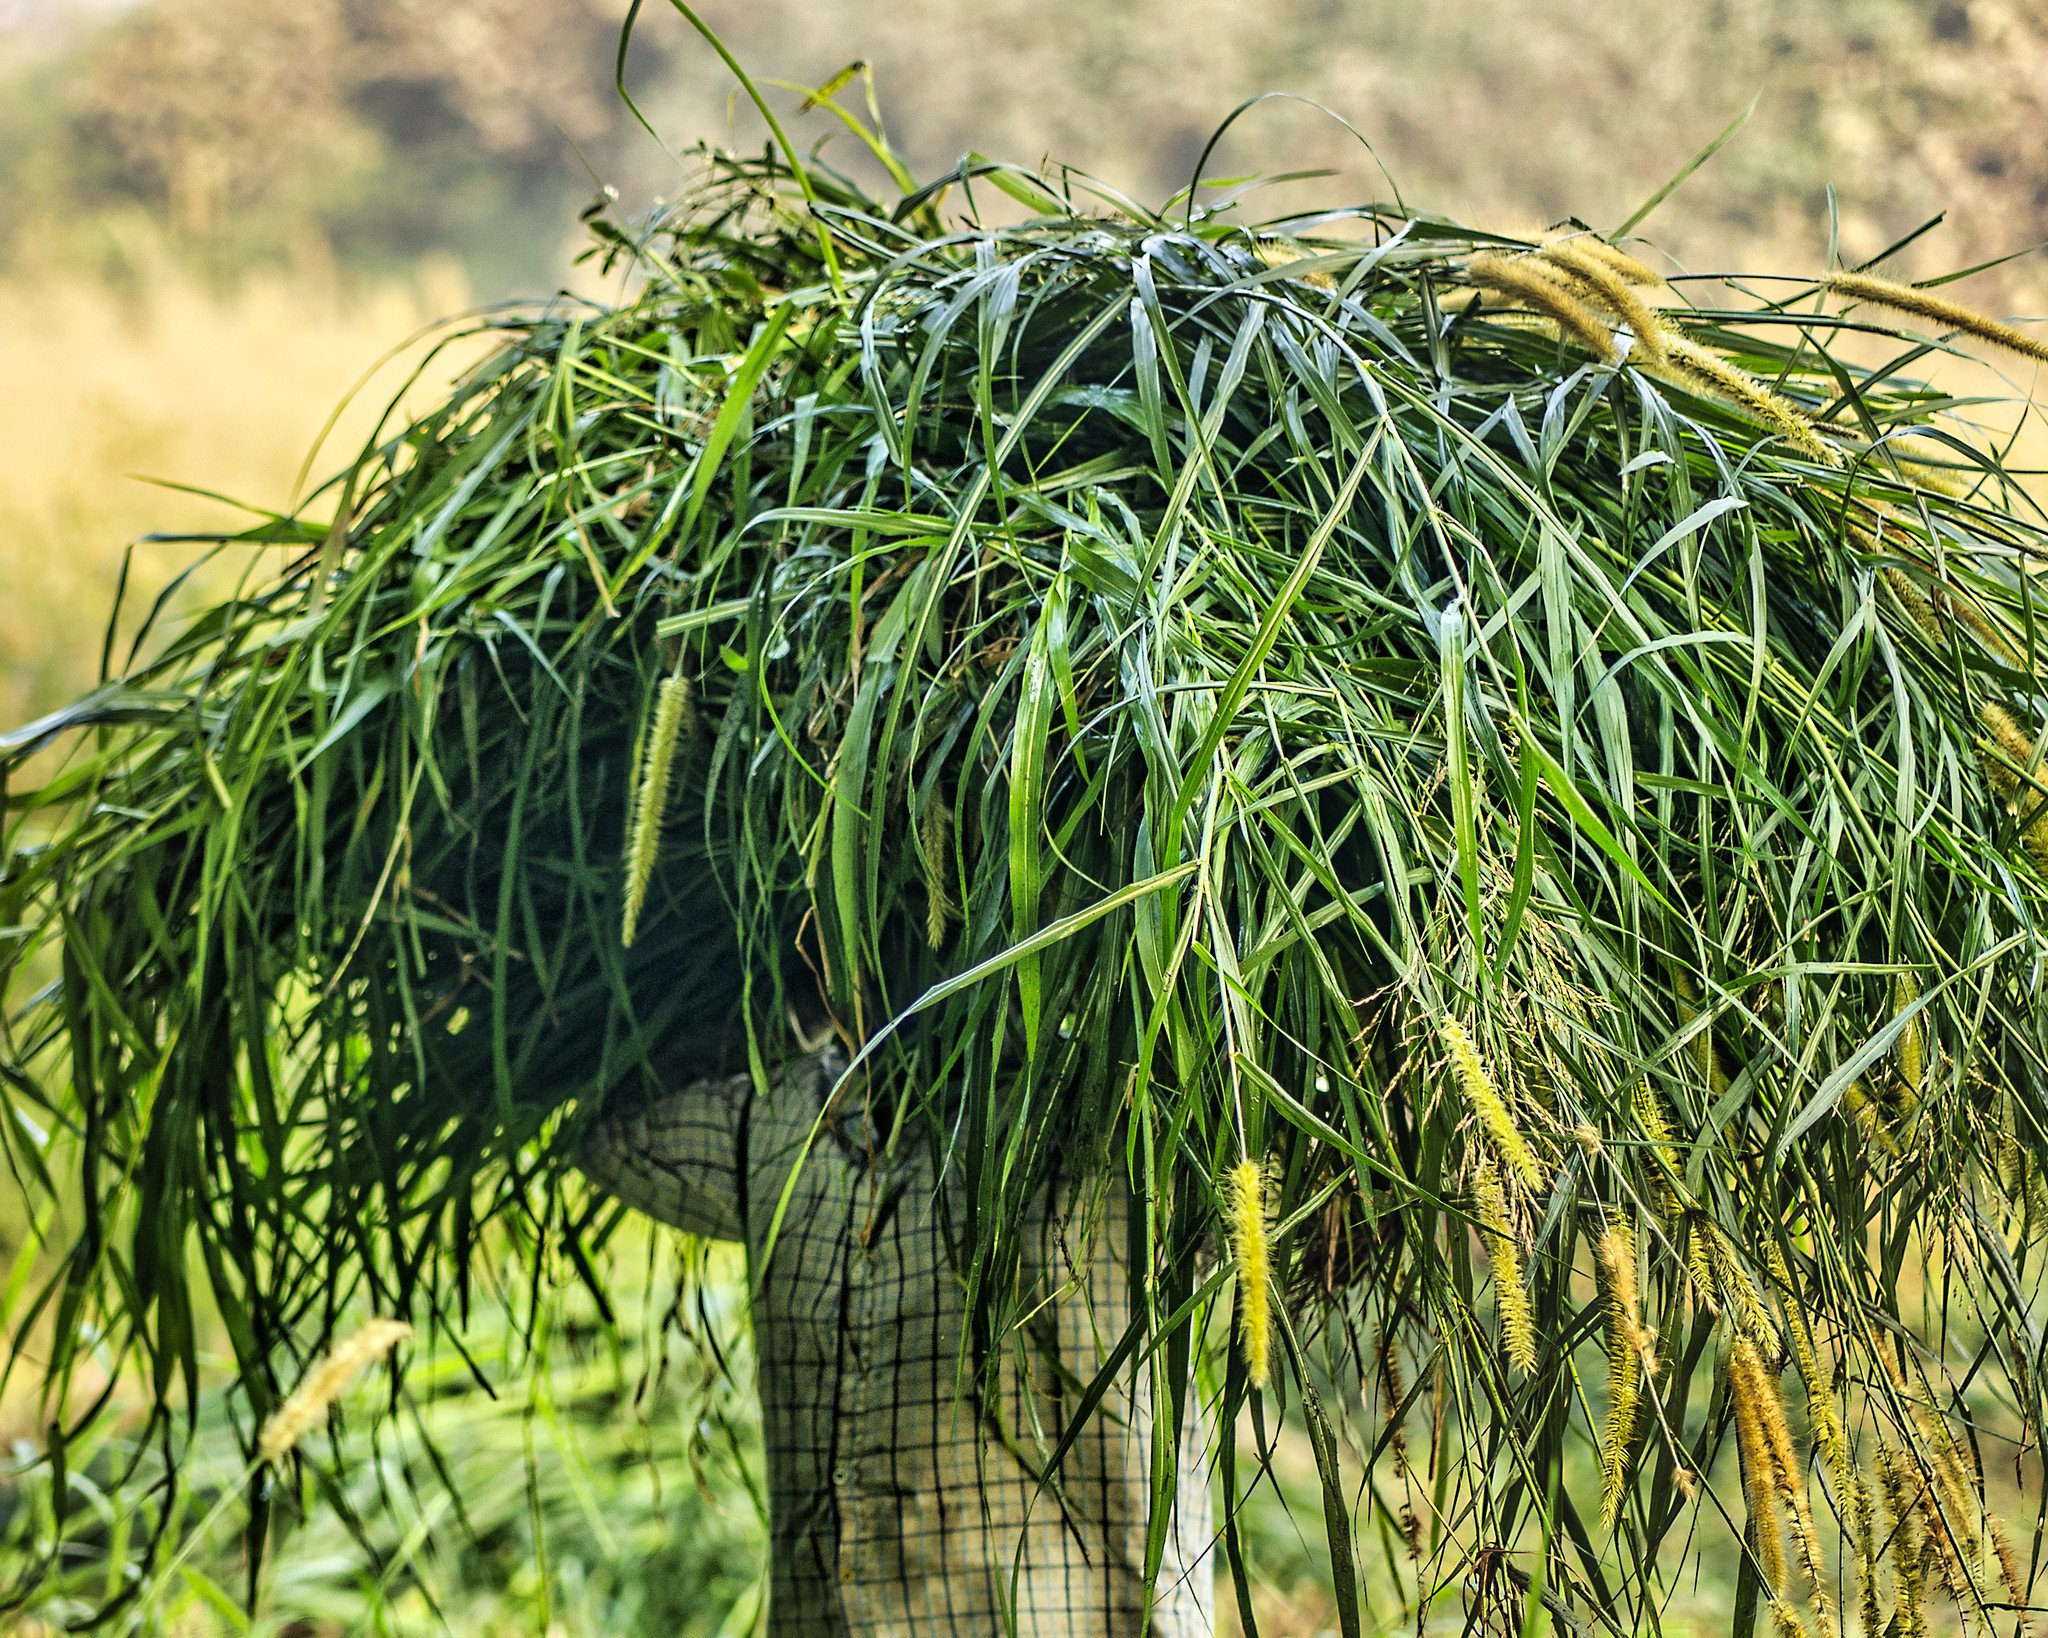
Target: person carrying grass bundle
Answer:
[[1358, 828]]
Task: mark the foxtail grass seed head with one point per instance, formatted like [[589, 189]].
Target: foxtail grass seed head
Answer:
[[1699, 369], [1912, 1044], [1785, 1618], [1511, 1296], [1528, 281], [1828, 1434], [1616, 260], [2019, 777], [1867, 1119], [1731, 1290], [1937, 310], [1942, 480], [307, 1404], [1649, 1113], [1248, 1245], [1754, 1446], [2009, 1568], [1631, 1353], [1760, 1493], [1280, 253], [1914, 601], [1938, 615], [935, 835], [1699, 1266], [1962, 608], [1594, 277], [1488, 1107], [1900, 1486], [1393, 1393], [650, 804], [1863, 1531], [2013, 741], [1705, 1053]]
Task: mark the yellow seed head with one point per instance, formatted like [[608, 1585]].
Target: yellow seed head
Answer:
[[1938, 615], [1786, 1619], [2015, 742], [650, 803], [1704, 1052], [1246, 1190], [1900, 1486], [1594, 277], [1649, 1114], [1725, 1284], [2008, 1565], [1758, 1462], [1699, 369], [1535, 284], [1863, 1531], [323, 1384], [1865, 1116], [1620, 262], [1699, 1267], [1280, 253], [2009, 762], [1964, 609], [1511, 1297], [1914, 602], [1487, 1106], [1790, 1478], [1938, 310], [1631, 1352]]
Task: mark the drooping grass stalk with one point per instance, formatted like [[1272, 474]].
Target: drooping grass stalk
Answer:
[[1691, 365], [308, 1403], [1939, 310], [1526, 279], [1605, 283]]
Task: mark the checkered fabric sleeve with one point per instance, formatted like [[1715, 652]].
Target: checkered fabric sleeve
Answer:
[[909, 1499]]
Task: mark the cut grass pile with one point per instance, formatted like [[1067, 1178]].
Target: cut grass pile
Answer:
[[1498, 757]]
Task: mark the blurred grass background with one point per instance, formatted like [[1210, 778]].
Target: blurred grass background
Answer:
[[218, 214]]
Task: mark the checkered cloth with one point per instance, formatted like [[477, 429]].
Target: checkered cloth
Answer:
[[898, 1508]]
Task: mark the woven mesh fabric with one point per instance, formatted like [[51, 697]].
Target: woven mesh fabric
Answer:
[[898, 1505]]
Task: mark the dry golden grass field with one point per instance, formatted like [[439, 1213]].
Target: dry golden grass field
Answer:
[[166, 378]]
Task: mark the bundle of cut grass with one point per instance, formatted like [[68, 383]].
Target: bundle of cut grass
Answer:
[[1479, 785]]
